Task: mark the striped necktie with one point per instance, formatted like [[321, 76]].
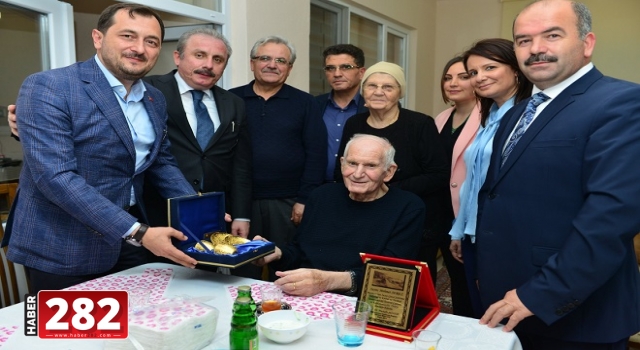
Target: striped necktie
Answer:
[[523, 124]]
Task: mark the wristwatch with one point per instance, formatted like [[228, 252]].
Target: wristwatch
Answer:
[[354, 284], [135, 239]]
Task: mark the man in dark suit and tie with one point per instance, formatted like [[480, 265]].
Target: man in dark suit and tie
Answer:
[[559, 208], [91, 133], [218, 159]]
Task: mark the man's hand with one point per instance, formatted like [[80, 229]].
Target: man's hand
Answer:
[[510, 307], [12, 119], [240, 228], [276, 255], [158, 241], [296, 213], [456, 249], [309, 282]]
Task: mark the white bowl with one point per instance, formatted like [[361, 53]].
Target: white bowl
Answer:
[[283, 326]]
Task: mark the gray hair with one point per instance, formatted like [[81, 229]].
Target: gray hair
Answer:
[[389, 151], [182, 42], [276, 40], [582, 13], [584, 18]]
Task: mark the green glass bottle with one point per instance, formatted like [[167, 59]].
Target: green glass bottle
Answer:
[[244, 330], [245, 291]]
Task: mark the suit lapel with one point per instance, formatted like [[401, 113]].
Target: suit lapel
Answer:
[[159, 127], [504, 131], [175, 109], [559, 103], [99, 90], [222, 105], [467, 135]]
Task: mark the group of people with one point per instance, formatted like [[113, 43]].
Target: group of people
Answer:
[[526, 184]]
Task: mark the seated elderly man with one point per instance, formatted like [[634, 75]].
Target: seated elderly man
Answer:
[[339, 223]]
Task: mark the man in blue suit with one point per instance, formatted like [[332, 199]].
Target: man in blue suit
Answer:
[[559, 210], [91, 133]]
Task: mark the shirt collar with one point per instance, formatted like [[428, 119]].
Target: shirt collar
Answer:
[[356, 99], [557, 89], [137, 89], [183, 87]]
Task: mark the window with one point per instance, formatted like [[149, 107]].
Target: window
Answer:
[[207, 4], [324, 32], [365, 34], [333, 22], [35, 36]]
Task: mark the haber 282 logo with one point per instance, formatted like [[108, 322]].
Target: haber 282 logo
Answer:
[[77, 314]]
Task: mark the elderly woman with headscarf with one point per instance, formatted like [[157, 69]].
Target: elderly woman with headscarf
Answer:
[[421, 158]]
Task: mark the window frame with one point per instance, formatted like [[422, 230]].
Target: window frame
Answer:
[[344, 11], [59, 50]]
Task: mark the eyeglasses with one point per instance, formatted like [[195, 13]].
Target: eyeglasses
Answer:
[[266, 59], [385, 87], [331, 69]]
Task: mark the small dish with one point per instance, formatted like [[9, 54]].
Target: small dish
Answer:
[[284, 306], [283, 326]]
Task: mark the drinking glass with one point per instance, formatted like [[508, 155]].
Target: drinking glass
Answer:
[[138, 299], [426, 340], [271, 297], [351, 321]]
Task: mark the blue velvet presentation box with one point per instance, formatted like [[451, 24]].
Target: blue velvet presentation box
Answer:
[[198, 215]]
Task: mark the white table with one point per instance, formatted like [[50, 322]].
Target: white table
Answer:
[[457, 332]]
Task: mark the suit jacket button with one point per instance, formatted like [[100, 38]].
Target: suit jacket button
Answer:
[[493, 196], [559, 312], [196, 182], [454, 184]]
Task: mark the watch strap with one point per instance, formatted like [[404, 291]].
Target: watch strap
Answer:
[[140, 233]]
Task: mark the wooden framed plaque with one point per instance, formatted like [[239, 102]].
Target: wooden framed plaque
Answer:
[[401, 295]]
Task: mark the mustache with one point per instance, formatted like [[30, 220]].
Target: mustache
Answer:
[[205, 71], [541, 57], [139, 56]]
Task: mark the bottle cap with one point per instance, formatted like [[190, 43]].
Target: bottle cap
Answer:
[[243, 300]]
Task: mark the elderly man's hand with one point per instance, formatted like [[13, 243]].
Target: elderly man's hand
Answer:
[[510, 307], [309, 282]]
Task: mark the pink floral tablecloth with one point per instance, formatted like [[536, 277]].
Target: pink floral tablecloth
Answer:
[[317, 307], [6, 332], [155, 280]]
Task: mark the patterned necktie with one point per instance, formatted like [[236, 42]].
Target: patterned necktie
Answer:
[[204, 130], [523, 124]]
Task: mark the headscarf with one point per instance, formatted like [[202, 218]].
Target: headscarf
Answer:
[[392, 69]]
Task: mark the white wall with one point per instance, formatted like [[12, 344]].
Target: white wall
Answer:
[[459, 23], [251, 20]]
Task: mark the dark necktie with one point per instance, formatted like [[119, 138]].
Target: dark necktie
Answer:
[[204, 130], [523, 124]]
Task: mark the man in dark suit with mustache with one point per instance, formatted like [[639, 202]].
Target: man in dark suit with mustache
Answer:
[[559, 208], [222, 162]]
